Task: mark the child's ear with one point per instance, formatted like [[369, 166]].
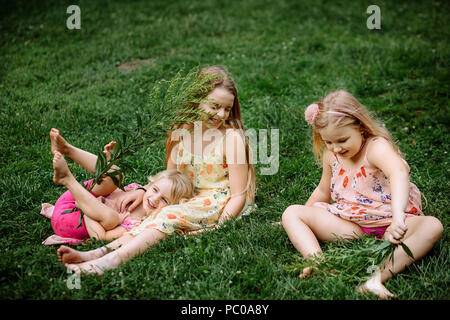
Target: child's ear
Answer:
[[183, 200]]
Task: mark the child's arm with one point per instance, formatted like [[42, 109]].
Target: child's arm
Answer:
[[234, 151], [96, 231], [322, 191], [381, 154], [238, 175]]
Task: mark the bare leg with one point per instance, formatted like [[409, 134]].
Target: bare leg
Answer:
[[305, 226], [112, 260], [84, 158], [90, 206], [69, 255], [94, 229], [423, 232]]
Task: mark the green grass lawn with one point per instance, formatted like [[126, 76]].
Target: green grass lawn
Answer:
[[283, 56]]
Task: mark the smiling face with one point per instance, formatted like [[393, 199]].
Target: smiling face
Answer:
[[219, 104], [343, 141], [158, 195]]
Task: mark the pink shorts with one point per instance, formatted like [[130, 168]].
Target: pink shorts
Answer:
[[66, 225], [376, 232]]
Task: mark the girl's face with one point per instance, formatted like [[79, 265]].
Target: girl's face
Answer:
[[219, 104], [342, 141], [157, 195]]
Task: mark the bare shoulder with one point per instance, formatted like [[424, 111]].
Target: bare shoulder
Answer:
[[382, 154], [234, 148], [232, 133], [378, 147], [235, 138]]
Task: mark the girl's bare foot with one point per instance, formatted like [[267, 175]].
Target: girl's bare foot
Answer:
[[375, 286], [107, 150], [313, 270], [61, 172], [306, 272], [97, 266], [58, 143], [68, 255]]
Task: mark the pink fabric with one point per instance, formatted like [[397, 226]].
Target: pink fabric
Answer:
[[55, 239], [376, 232], [66, 225], [129, 224], [363, 196], [47, 210]]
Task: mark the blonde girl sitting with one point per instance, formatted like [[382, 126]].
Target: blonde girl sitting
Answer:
[[106, 216], [218, 164], [365, 175]]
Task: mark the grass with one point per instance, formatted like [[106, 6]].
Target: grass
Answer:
[[283, 55]]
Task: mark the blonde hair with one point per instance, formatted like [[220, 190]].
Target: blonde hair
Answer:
[[222, 79], [341, 108], [182, 187]]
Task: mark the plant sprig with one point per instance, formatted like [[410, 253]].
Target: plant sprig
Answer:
[[351, 259], [171, 103]]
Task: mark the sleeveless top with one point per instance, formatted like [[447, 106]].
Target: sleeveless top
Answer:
[[212, 192], [363, 195]]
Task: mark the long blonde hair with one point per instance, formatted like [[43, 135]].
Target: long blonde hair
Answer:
[[182, 187], [221, 79], [341, 108]]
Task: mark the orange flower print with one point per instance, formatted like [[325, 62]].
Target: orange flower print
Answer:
[[358, 175], [363, 171], [171, 216], [191, 175], [341, 172], [413, 210], [181, 166], [150, 226], [224, 166], [202, 172], [206, 203], [345, 182], [209, 168], [362, 211]]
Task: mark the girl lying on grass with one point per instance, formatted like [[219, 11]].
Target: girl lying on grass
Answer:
[[367, 177], [223, 177], [106, 215]]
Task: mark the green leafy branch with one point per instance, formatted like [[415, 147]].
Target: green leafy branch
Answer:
[[171, 103], [351, 259]]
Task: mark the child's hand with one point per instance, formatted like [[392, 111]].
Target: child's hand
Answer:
[[396, 230], [130, 200], [107, 150]]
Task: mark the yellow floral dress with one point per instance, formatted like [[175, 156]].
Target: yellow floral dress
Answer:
[[212, 192]]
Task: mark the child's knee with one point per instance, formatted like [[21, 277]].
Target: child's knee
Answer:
[[435, 228], [292, 212], [110, 221]]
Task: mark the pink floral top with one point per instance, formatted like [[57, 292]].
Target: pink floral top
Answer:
[[363, 196]]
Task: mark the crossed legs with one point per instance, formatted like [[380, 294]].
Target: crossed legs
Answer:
[[91, 207], [305, 226]]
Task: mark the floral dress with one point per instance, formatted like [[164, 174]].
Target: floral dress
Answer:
[[212, 192], [363, 196]]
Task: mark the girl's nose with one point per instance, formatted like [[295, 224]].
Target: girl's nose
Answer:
[[155, 200], [221, 113], [337, 149]]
